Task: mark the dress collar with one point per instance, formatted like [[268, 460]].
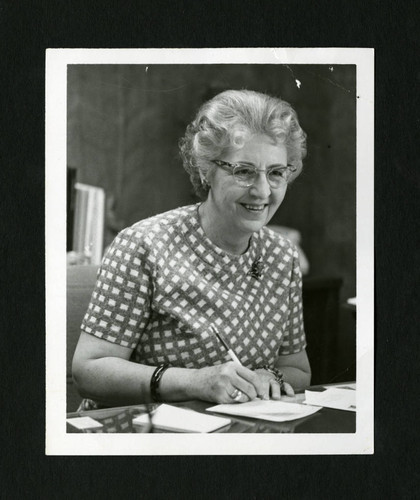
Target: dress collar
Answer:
[[211, 253]]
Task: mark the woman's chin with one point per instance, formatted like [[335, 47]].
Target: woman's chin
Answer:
[[254, 220], [253, 226]]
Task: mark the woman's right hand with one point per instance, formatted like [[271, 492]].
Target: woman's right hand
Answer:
[[226, 383]]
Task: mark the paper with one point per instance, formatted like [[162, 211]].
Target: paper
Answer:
[[275, 411], [175, 419], [349, 385], [338, 398], [352, 301], [84, 423]]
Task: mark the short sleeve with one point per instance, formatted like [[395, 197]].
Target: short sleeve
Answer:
[[120, 304], [294, 339]]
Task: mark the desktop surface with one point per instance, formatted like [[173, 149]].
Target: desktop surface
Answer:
[[120, 420]]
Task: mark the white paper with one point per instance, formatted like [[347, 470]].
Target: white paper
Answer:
[[352, 301], [84, 423], [337, 398], [171, 418], [349, 385], [275, 411]]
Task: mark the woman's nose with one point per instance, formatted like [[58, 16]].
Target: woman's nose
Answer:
[[261, 187]]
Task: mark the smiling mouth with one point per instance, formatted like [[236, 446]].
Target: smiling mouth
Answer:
[[254, 208]]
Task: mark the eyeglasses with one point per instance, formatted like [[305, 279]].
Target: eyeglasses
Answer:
[[246, 175]]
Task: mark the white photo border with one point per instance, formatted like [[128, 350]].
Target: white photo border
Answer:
[[58, 442]]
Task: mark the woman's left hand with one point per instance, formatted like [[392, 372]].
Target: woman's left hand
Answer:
[[272, 387]]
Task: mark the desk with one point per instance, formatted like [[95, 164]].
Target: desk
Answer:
[[326, 420]]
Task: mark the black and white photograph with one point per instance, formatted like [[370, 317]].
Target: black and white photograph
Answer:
[[209, 251]]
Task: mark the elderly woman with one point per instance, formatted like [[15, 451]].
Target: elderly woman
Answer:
[[177, 290]]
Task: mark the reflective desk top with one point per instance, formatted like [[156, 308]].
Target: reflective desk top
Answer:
[[120, 420]]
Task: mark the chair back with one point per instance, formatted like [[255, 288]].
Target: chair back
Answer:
[[321, 307], [80, 283]]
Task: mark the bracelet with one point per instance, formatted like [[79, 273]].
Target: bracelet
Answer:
[[278, 375], [155, 380]]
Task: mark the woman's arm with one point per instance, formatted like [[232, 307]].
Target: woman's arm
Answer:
[[295, 368], [102, 372]]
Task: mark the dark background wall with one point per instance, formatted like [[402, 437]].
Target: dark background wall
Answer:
[[124, 123]]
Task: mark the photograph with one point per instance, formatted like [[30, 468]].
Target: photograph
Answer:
[[209, 251]]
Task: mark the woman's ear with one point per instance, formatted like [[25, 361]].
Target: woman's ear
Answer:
[[206, 177]]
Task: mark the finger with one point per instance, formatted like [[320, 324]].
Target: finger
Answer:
[[231, 381], [275, 389], [265, 388], [256, 386], [245, 381], [247, 389], [288, 389]]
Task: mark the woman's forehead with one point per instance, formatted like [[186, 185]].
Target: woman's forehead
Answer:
[[258, 148]]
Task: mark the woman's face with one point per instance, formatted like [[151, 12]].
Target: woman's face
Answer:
[[244, 210]]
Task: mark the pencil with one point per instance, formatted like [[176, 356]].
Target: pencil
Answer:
[[222, 340]]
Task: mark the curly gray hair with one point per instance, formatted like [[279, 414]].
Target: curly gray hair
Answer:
[[227, 121]]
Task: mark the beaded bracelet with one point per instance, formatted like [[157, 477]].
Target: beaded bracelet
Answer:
[[155, 380], [278, 375]]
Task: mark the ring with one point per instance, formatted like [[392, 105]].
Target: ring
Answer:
[[236, 395]]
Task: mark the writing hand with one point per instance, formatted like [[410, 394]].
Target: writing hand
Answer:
[[227, 383]]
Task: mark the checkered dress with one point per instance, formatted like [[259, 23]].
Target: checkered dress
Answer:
[[163, 283]]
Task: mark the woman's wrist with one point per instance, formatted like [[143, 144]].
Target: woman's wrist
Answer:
[[179, 384], [297, 378], [277, 374]]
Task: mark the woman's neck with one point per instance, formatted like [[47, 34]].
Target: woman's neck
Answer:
[[220, 236]]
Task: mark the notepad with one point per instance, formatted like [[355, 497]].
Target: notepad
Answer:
[[173, 419], [83, 423]]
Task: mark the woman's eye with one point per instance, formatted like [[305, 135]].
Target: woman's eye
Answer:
[[278, 172], [244, 171]]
